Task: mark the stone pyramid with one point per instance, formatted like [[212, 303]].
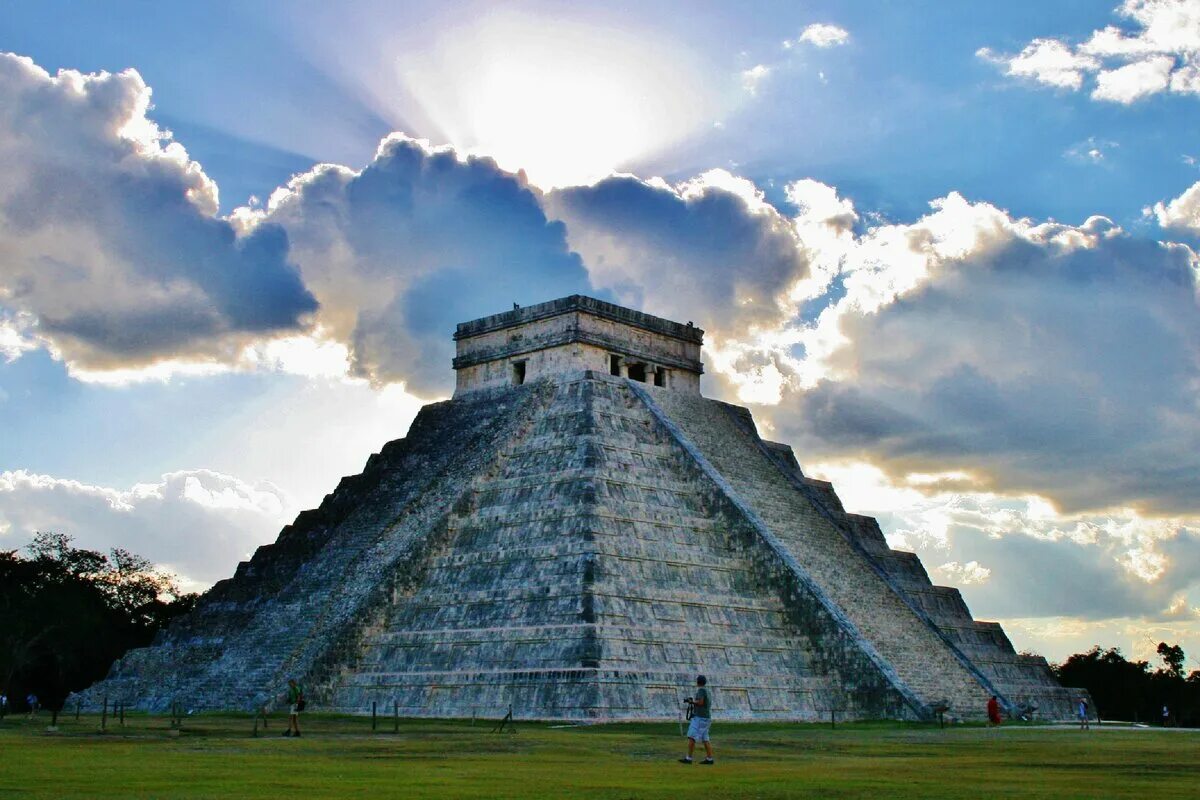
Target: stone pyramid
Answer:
[[577, 534]]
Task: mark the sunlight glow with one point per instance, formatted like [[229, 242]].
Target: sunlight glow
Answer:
[[569, 103]]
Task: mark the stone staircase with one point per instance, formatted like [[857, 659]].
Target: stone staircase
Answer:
[[922, 660], [589, 578], [237, 648]]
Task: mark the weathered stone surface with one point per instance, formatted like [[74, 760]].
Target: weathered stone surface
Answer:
[[576, 333], [580, 546]]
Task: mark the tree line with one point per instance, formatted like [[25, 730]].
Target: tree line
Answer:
[[1131, 690], [66, 614]]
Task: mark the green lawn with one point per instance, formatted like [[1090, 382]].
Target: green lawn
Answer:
[[216, 756]]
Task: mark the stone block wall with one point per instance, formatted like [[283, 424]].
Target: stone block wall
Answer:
[[570, 335]]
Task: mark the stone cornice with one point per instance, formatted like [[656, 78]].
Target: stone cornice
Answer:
[[571, 336], [579, 303]]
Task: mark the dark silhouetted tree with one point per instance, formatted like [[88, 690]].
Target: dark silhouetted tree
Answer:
[[67, 613], [1128, 690], [1172, 657]]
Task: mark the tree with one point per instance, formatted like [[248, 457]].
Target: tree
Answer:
[[1172, 657], [1118, 686], [67, 613], [1128, 690]]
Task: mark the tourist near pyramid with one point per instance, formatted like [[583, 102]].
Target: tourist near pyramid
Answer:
[[577, 534]]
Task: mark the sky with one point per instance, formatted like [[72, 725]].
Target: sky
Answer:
[[948, 251]]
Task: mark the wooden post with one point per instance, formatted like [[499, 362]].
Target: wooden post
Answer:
[[255, 724], [104, 714], [832, 720], [395, 716], [263, 711], [372, 716], [77, 711], [122, 713]]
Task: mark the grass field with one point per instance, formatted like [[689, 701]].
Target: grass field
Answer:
[[216, 756]]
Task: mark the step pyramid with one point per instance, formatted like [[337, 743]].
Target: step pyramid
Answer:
[[575, 535]]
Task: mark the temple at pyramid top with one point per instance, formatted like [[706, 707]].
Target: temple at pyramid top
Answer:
[[572, 334]]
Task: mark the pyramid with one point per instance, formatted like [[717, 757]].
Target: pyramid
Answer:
[[575, 535]]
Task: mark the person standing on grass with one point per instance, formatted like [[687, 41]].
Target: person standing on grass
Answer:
[[701, 722], [993, 711], [295, 698], [1083, 715]]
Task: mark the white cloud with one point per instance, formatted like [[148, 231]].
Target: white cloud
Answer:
[[196, 523], [1046, 61], [1090, 151], [824, 35], [963, 574], [1159, 52], [1182, 212], [752, 78], [15, 336], [1134, 81]]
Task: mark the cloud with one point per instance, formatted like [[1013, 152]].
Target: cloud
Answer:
[[824, 35], [752, 78], [1182, 213], [1134, 81], [1047, 577], [196, 523], [1061, 577], [710, 249], [1046, 61], [111, 255], [108, 239], [418, 240], [1159, 53], [1039, 358], [963, 574], [15, 338], [1090, 151]]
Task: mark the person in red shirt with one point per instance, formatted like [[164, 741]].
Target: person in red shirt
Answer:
[[993, 709]]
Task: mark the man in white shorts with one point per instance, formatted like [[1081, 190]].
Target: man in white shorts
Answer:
[[701, 721]]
